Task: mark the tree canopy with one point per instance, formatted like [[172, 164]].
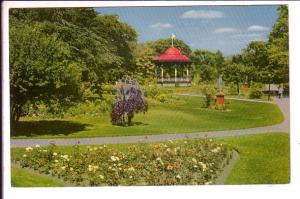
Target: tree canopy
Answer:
[[54, 53], [207, 64], [266, 62]]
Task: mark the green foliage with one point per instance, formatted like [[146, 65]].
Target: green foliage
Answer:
[[256, 91], [209, 91], [207, 65], [144, 54], [162, 98], [166, 163], [230, 89], [65, 55], [150, 88], [278, 47], [234, 73], [255, 58], [265, 62], [162, 45], [40, 69]]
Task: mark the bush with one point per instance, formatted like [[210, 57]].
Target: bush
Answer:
[[162, 98], [151, 88], [109, 89], [256, 91], [129, 101], [209, 91], [230, 89], [169, 163]]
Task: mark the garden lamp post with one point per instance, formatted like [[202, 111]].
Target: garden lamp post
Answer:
[[269, 95]]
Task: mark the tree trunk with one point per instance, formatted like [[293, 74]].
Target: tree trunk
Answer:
[[238, 87], [130, 116]]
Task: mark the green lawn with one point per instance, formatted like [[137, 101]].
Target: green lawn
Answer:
[[181, 115], [264, 159], [23, 178]]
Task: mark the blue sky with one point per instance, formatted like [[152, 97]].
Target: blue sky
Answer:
[[227, 28]]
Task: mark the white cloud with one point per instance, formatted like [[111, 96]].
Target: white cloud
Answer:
[[202, 14], [246, 35], [224, 30], [161, 25], [257, 28]]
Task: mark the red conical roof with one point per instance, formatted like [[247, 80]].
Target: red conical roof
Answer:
[[172, 55]]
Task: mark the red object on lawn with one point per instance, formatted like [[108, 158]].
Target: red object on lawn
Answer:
[[220, 99], [172, 55]]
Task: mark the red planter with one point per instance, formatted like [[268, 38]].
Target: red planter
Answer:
[[220, 99]]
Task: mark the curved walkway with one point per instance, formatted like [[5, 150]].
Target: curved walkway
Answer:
[[283, 127]]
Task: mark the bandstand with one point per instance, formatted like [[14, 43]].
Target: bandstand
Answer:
[[173, 68]]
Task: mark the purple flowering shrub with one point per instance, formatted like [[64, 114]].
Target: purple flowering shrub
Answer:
[[129, 100]]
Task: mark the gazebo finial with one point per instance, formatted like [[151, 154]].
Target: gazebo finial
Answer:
[[172, 37]]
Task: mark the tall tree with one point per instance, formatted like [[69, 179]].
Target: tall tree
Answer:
[[278, 47], [235, 73], [255, 58], [207, 65], [53, 52]]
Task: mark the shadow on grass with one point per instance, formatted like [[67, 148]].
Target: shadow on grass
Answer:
[[46, 127]]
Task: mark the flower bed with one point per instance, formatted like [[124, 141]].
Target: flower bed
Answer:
[[170, 163]]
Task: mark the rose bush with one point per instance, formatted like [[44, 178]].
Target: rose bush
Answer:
[[168, 163]]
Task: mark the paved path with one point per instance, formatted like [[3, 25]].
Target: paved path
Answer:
[[283, 127]]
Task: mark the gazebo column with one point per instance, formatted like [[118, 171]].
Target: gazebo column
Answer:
[[175, 74], [162, 75], [187, 74]]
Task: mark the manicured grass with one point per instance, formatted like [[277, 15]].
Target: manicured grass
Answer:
[[264, 159], [23, 178], [183, 114]]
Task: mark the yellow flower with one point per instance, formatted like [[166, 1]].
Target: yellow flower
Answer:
[[56, 161], [63, 168], [169, 167], [29, 148], [194, 160], [71, 169], [54, 154], [216, 150], [204, 167], [178, 176], [101, 177], [131, 169], [24, 155], [114, 158]]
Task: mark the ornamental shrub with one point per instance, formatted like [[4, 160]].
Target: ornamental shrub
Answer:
[[151, 88], [256, 91], [129, 100], [209, 92], [161, 98]]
